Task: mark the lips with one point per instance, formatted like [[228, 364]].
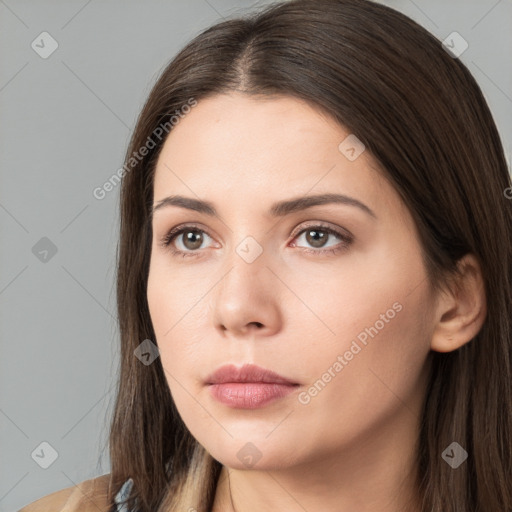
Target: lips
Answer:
[[248, 387], [246, 373]]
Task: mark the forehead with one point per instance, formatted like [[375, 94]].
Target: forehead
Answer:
[[239, 146]]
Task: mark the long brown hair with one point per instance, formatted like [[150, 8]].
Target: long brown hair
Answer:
[[422, 116]]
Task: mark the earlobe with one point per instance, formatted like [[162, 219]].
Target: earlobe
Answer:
[[462, 310]]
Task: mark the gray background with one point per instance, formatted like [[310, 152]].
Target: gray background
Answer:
[[65, 125]]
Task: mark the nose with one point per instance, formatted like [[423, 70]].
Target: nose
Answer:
[[246, 300]]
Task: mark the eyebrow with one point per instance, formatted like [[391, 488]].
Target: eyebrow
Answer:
[[279, 209]]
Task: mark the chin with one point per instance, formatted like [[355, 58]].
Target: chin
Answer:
[[257, 451]]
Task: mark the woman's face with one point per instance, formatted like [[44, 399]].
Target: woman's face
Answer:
[[344, 317]]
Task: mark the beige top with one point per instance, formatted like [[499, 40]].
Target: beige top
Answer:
[[87, 496]]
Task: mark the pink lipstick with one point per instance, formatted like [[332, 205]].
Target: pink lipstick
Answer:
[[248, 387]]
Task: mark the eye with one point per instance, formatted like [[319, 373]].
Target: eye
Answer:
[[191, 238], [317, 236], [191, 241]]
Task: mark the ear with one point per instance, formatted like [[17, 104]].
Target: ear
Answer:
[[461, 311]]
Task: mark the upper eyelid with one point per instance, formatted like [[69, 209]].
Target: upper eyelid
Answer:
[[339, 231], [324, 225]]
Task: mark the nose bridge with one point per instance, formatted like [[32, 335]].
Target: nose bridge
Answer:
[[246, 268], [246, 294]]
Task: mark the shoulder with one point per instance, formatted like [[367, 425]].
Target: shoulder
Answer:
[[89, 495]]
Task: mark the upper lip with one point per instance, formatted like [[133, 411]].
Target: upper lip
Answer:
[[245, 373]]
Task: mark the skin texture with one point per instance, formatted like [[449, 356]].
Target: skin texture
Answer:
[[351, 446]]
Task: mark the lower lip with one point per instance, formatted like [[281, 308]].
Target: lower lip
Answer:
[[249, 395]]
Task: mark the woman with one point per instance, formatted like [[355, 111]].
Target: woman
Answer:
[[314, 277]]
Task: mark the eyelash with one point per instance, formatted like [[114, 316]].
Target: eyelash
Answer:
[[167, 240]]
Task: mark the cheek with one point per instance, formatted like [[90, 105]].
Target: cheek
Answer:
[[171, 298], [377, 359], [368, 300], [175, 317], [378, 318]]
